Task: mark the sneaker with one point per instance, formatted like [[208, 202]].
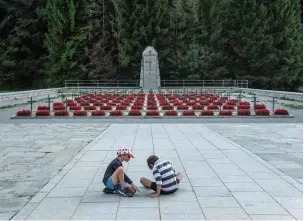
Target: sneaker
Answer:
[[125, 192], [109, 191]]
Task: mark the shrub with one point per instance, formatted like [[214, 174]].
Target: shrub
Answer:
[[247, 107], [167, 107], [225, 112], [197, 107], [213, 107], [80, 113], [152, 107], [84, 104], [98, 113], [260, 112], [243, 112], [105, 107], [134, 113], [152, 113], [70, 104], [228, 107], [96, 104], [121, 107], [24, 113], [61, 113], [218, 102], [260, 106], [182, 107], [244, 103], [43, 108], [89, 108], [171, 113], [116, 113], [281, 112], [58, 107], [231, 102], [205, 102], [151, 102], [189, 113], [136, 107], [42, 113], [207, 112], [75, 108]]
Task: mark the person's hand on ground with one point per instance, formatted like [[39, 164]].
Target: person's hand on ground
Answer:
[[155, 194], [135, 187]]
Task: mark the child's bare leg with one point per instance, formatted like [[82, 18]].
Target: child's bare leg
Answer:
[[119, 177], [146, 182], [179, 176]]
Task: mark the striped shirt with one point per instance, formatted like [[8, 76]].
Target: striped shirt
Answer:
[[165, 176]]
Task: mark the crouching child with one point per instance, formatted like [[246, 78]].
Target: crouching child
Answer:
[[166, 180]]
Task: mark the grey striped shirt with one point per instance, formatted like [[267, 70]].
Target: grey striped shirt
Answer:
[[164, 175]]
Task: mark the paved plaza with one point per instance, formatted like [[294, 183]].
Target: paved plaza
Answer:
[[232, 171]]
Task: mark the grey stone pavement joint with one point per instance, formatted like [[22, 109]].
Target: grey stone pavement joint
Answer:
[[223, 180], [33, 154]]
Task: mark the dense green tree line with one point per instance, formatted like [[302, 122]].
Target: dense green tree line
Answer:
[[44, 42]]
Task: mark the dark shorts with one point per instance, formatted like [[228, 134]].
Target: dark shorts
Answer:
[[153, 187]]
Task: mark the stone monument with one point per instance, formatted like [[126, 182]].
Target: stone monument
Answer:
[[149, 73]]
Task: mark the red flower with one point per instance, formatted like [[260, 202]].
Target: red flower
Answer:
[[106, 107], [244, 112], [262, 112], [260, 106], [121, 107], [75, 108], [228, 107], [244, 107], [24, 113], [89, 108], [152, 107], [61, 113], [58, 107], [116, 113], [281, 112], [98, 113], [134, 113], [182, 107], [213, 107], [58, 104], [207, 112], [152, 113], [80, 113], [171, 113], [189, 113], [225, 112], [42, 113], [167, 107], [43, 108]]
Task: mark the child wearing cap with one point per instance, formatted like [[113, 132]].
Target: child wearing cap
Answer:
[[115, 179], [167, 180]]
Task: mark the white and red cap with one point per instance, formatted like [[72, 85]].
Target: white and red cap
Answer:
[[125, 150]]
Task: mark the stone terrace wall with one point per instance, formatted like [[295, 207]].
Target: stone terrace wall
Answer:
[[24, 96]]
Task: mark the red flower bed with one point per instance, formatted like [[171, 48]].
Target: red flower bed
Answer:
[[281, 112], [98, 113], [152, 107], [189, 113], [105, 107], [182, 107], [43, 108], [61, 113], [244, 103], [260, 112], [70, 104], [97, 104], [116, 113], [167, 107], [134, 113], [80, 113], [152, 113], [151, 102], [218, 102], [84, 104], [205, 102], [228, 107], [260, 106], [225, 112], [89, 108], [213, 107], [136, 107], [24, 113], [58, 107], [197, 107], [42, 113], [75, 108], [171, 113], [231, 102], [121, 107], [207, 112], [247, 107], [243, 112], [58, 104]]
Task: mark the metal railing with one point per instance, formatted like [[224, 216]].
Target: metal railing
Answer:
[[101, 84], [204, 83], [164, 83]]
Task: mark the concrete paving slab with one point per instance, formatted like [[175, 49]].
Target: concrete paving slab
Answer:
[[222, 180]]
